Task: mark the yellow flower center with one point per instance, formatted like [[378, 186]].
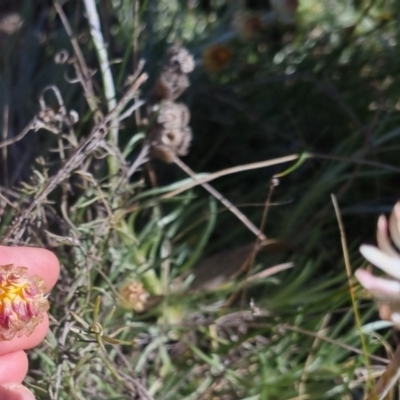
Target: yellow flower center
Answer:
[[22, 301]]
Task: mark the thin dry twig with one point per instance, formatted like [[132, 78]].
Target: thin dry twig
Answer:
[[140, 159], [329, 340], [249, 265], [20, 136], [310, 358], [234, 210], [349, 275], [233, 170], [269, 163], [85, 76]]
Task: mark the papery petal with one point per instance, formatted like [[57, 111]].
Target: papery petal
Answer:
[[385, 312], [394, 224], [382, 237], [22, 302], [382, 289], [395, 318], [390, 265]]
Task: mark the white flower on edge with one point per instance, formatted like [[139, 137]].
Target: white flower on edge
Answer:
[[387, 258]]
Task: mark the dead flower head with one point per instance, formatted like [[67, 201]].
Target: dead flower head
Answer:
[[166, 144], [173, 80], [216, 57], [173, 115], [22, 301], [170, 85], [180, 59], [387, 258], [132, 296], [170, 136]]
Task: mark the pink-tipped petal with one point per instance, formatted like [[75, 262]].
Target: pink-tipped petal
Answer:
[[22, 302], [382, 237], [388, 264], [394, 224], [396, 319], [382, 289]]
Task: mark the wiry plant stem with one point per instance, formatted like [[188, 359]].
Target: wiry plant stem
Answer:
[[108, 82], [351, 285], [83, 73], [91, 143], [234, 210]]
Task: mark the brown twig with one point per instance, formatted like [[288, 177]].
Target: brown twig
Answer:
[[349, 276], [84, 75], [328, 340], [234, 210], [140, 159], [228, 171], [20, 136], [249, 265], [269, 163]]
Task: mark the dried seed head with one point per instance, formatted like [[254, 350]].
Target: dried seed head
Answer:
[[168, 143], [163, 153], [61, 57], [22, 302], [183, 147], [47, 115], [170, 85], [180, 59], [73, 117], [171, 137], [173, 80], [216, 57], [173, 115], [133, 296]]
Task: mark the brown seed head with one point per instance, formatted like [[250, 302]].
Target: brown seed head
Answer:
[[180, 59], [166, 144], [173, 115], [170, 85]]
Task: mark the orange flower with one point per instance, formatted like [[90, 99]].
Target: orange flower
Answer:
[[216, 57], [22, 301]]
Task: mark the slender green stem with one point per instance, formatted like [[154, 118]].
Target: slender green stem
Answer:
[[108, 82], [351, 286]]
